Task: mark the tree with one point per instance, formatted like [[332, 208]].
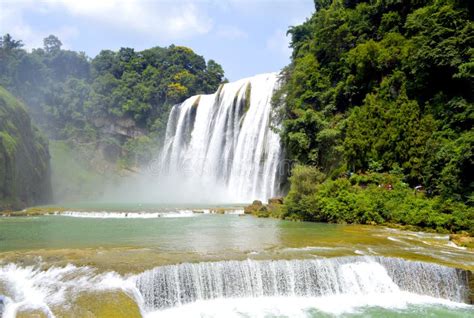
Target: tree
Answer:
[[389, 84], [214, 74], [52, 44], [8, 43]]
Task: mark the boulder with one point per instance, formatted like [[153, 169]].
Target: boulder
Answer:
[[255, 207], [276, 200]]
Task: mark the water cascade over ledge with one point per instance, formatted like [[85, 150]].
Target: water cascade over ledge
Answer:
[[171, 286], [333, 285], [222, 145]]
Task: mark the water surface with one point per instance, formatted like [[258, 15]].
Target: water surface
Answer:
[[146, 242]]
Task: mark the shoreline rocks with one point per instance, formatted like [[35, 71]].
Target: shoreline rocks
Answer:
[[259, 209]]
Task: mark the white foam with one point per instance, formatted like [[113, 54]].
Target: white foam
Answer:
[[300, 306], [143, 214], [311, 248], [394, 239], [452, 244], [239, 288], [129, 215], [33, 288]]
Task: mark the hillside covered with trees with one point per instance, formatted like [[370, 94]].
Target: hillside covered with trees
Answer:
[[104, 115], [115, 99], [378, 99]]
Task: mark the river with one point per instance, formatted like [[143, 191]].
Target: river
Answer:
[[191, 262]]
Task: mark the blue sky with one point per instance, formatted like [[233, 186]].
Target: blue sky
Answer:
[[246, 37]]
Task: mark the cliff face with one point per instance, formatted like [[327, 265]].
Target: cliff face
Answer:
[[24, 158]]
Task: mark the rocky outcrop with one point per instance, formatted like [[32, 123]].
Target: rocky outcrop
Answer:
[[470, 285], [273, 208], [125, 127], [255, 208], [24, 158]]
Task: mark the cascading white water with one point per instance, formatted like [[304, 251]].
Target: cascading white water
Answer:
[[170, 286], [354, 281], [223, 145]]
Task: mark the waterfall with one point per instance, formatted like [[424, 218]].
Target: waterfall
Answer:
[[171, 286], [343, 283], [223, 145]]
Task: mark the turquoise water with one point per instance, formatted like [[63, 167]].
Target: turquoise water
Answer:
[[131, 242], [212, 236]]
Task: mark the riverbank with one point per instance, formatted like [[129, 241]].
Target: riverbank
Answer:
[[371, 198], [274, 209]]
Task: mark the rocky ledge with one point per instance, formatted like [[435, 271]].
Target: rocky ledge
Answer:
[[273, 208]]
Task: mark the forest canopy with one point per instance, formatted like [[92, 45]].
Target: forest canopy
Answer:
[[64, 89], [381, 87], [384, 86]]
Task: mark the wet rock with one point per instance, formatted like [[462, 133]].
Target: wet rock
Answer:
[[470, 286], [2, 304], [256, 207], [108, 304], [31, 313], [275, 201], [463, 240], [218, 211]]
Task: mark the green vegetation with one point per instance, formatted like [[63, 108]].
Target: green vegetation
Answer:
[[107, 113], [382, 88], [24, 157], [372, 198], [116, 95]]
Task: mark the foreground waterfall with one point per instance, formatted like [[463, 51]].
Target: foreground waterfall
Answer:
[[225, 142], [169, 286], [332, 285]]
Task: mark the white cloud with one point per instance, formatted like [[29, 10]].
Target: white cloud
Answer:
[[164, 19], [231, 32], [156, 19], [279, 43], [12, 21]]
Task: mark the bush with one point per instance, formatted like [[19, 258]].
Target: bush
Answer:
[[372, 198]]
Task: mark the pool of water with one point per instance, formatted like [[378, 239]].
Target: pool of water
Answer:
[[147, 242], [84, 263]]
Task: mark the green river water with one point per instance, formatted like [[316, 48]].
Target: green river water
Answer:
[[128, 243]]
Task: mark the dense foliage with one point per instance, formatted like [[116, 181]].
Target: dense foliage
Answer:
[[384, 86], [373, 198], [24, 157], [74, 97]]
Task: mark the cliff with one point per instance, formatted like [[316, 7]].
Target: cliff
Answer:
[[24, 157]]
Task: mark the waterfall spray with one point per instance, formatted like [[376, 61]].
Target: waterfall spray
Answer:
[[223, 143]]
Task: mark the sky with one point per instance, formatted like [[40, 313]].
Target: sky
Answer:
[[246, 37]]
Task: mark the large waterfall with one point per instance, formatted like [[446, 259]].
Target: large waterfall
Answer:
[[222, 145], [170, 286]]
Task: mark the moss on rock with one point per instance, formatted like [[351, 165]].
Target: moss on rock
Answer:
[[248, 92], [24, 158], [110, 304]]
